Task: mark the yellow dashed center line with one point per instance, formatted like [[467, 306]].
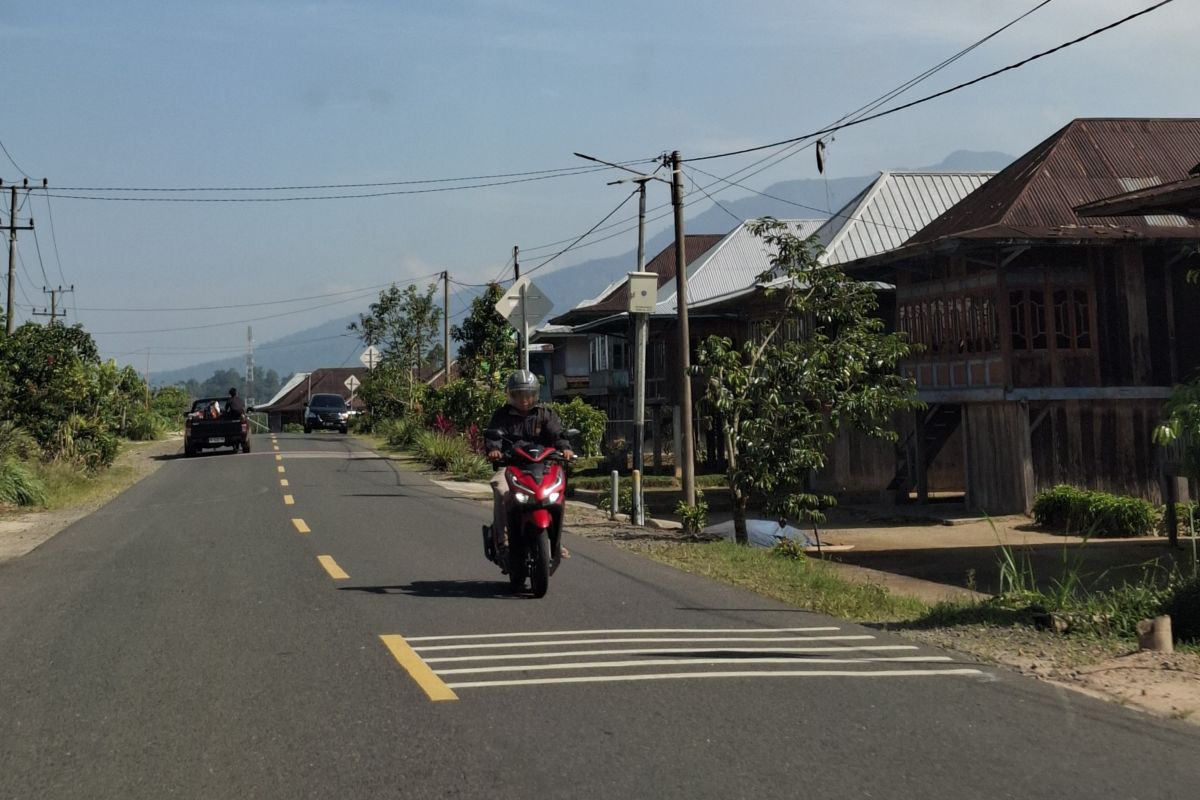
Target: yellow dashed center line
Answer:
[[275, 447], [280, 468], [288, 500], [331, 566], [418, 669], [283, 482], [300, 526], [279, 458]]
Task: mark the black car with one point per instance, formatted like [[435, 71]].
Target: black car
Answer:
[[326, 411]]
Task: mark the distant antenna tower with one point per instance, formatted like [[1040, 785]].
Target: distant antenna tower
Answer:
[[249, 364]]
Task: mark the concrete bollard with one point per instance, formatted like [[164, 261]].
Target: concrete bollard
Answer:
[[612, 509], [1155, 634]]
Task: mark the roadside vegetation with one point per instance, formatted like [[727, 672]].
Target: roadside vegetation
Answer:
[[66, 413]]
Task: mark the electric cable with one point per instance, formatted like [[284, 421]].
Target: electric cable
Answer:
[[10, 160], [944, 92]]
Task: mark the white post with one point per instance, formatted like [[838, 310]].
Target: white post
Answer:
[[524, 334], [641, 322]]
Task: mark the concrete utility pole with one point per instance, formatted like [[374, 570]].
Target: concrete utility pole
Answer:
[[13, 227], [686, 457], [249, 399], [522, 355], [54, 293], [445, 327]]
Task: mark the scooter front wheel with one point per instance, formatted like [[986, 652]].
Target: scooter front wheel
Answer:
[[539, 575], [518, 568]]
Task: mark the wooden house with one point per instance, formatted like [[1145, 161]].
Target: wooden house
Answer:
[[1050, 339]]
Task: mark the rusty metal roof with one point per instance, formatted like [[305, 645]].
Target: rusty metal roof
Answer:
[[1087, 160], [1178, 197]]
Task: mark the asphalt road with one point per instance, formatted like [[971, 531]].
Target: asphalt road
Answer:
[[217, 633]]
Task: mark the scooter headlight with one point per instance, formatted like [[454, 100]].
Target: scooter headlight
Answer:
[[521, 497], [553, 498]]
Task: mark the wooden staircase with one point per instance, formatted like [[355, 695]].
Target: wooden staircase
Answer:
[[934, 429]]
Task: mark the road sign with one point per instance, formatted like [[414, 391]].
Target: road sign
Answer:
[[352, 383], [370, 357], [537, 305]]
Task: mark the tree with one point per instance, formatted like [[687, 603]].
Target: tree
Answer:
[[819, 361], [404, 325], [1181, 423], [487, 351]]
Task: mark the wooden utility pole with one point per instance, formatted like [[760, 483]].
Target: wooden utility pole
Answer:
[[13, 227], [686, 458], [445, 327], [54, 293]]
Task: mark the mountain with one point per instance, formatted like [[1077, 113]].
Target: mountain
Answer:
[[800, 199], [326, 345]]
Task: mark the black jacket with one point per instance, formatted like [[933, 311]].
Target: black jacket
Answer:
[[540, 426]]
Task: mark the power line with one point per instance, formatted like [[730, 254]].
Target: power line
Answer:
[[54, 241], [583, 235], [10, 160], [934, 96], [359, 291]]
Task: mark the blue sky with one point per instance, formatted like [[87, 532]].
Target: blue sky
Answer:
[[170, 94]]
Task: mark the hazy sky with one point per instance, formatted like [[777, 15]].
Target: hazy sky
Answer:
[[167, 94]]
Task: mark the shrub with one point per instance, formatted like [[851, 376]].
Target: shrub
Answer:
[[790, 549], [16, 442], [143, 426], [19, 485], [588, 420], [624, 500], [1093, 513], [694, 518], [1185, 514], [293, 427], [464, 403], [397, 432], [1184, 607], [471, 466], [85, 441], [438, 450]]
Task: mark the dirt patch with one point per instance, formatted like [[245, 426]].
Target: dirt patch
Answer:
[[1164, 684]]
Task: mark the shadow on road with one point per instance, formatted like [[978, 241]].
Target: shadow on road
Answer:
[[473, 589]]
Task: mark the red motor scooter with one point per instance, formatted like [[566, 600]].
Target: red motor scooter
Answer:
[[537, 491]]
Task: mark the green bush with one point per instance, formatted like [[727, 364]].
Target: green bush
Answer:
[[293, 427], [790, 549], [1090, 513], [19, 485], [144, 426], [85, 441], [16, 442], [397, 432], [464, 403], [439, 450], [1186, 514], [471, 466], [624, 500], [1184, 607], [694, 518], [588, 420]]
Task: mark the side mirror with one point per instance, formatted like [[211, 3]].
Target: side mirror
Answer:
[[493, 433], [249, 409], [572, 432]]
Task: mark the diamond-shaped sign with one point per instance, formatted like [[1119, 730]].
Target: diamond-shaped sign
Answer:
[[352, 383], [537, 305], [370, 357]]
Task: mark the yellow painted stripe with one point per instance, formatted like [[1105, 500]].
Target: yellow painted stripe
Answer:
[[275, 447], [300, 526], [283, 482], [434, 686], [279, 458], [280, 468], [288, 500], [331, 566]]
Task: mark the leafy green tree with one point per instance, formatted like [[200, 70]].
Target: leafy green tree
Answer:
[[487, 351], [819, 361], [49, 371], [404, 325], [1182, 416]]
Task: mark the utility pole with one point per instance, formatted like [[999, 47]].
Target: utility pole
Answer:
[[686, 457], [445, 327], [13, 227], [522, 354], [249, 400], [54, 293]]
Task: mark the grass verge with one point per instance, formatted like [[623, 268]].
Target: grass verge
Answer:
[[804, 583]]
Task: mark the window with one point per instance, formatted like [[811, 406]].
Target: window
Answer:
[[1072, 320], [598, 353], [1027, 308]]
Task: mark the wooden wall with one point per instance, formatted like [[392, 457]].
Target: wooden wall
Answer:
[[859, 468], [999, 472], [1096, 444]]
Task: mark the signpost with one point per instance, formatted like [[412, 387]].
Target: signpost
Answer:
[[352, 383], [643, 293], [524, 305]]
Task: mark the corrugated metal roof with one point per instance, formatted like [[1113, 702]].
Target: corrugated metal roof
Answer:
[[1087, 160], [732, 265], [891, 209], [1182, 196]]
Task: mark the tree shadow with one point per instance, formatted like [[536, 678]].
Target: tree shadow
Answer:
[[468, 589]]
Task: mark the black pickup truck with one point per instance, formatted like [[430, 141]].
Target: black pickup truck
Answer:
[[211, 424]]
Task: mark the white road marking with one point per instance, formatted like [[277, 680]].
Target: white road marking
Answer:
[[669, 662], [899, 673], [668, 650], [643, 639], [617, 630]]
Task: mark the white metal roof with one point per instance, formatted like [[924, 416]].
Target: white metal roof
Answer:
[[292, 383], [895, 206], [732, 264]]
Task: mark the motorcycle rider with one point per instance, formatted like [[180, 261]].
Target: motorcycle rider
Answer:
[[523, 419]]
